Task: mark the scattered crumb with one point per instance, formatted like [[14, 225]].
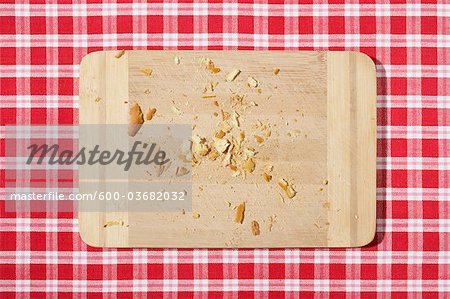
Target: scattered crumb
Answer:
[[252, 82], [220, 134], [288, 189], [225, 115], [200, 146], [276, 71], [136, 119], [209, 64], [113, 223], [181, 171], [267, 177], [147, 91], [236, 99], [98, 99], [120, 54], [215, 114], [235, 119], [255, 228], [177, 60], [356, 217], [259, 139], [241, 136], [240, 210], [232, 75], [325, 182], [215, 103], [270, 221], [208, 96], [195, 215], [249, 165], [150, 113], [326, 204], [221, 145], [147, 72]]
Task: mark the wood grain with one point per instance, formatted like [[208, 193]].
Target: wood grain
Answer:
[[325, 100]]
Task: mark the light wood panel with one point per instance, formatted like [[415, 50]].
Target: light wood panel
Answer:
[[326, 101]]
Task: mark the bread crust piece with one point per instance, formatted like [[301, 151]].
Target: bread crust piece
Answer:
[[136, 119]]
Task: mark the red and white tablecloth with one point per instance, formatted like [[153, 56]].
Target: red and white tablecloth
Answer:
[[41, 44]]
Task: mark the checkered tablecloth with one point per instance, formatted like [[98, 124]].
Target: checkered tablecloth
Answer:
[[42, 255]]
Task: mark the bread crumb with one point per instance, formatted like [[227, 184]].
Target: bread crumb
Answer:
[[252, 82], [255, 228], [196, 215], [225, 115], [181, 171], [240, 210], [241, 136], [213, 154], [150, 113], [220, 134], [177, 60], [120, 54], [288, 189], [136, 119], [200, 146], [221, 145], [113, 223], [232, 75], [276, 71], [270, 221], [259, 139], [267, 177], [147, 71], [249, 166], [209, 64]]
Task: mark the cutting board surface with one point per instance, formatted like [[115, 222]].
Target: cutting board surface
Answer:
[[321, 111]]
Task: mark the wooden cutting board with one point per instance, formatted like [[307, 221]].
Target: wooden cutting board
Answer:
[[321, 110]]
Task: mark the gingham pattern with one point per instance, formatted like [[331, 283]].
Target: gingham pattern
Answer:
[[41, 46]]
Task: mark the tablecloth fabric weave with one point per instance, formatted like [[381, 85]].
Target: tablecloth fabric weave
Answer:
[[41, 44]]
